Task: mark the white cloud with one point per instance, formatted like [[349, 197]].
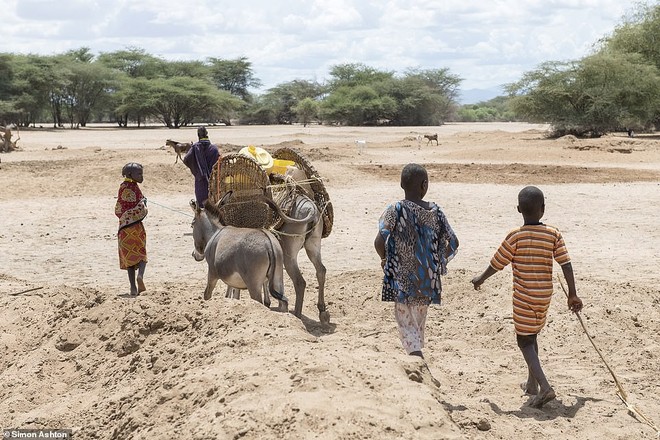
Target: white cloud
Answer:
[[485, 43]]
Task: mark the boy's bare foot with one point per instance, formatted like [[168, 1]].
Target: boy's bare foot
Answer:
[[542, 398], [140, 283], [532, 391]]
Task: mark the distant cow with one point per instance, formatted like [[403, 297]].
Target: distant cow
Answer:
[[432, 137], [179, 148]]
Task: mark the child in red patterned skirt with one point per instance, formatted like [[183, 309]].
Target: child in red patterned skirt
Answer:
[[131, 208]]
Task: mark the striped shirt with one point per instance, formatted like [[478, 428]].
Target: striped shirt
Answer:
[[530, 249]]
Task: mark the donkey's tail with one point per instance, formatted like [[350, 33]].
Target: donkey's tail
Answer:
[[272, 269]]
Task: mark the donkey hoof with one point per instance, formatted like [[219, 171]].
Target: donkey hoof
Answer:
[[207, 296], [324, 317]]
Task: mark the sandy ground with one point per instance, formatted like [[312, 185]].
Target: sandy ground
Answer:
[[168, 364]]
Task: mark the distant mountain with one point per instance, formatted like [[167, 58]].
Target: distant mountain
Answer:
[[473, 96]]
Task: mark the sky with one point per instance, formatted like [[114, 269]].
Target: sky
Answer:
[[487, 43]]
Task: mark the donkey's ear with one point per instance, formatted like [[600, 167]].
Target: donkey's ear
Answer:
[[225, 198], [194, 207]]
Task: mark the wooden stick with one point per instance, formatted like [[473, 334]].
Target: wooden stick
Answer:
[[25, 291], [621, 393]]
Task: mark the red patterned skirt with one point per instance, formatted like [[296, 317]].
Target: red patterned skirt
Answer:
[[132, 245]]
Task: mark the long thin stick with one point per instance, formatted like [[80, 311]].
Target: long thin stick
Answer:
[[25, 291], [621, 393]]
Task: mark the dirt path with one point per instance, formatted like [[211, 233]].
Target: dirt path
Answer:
[[166, 364]]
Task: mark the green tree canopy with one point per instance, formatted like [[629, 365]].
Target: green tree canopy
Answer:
[[306, 110], [180, 101], [599, 94], [134, 62], [278, 104], [616, 87], [640, 34], [360, 95], [234, 76]]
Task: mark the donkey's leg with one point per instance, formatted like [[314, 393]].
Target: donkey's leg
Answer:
[[299, 283], [313, 249], [210, 285], [233, 293], [255, 287]]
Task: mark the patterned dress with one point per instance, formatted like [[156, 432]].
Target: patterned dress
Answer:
[[131, 208], [416, 239]]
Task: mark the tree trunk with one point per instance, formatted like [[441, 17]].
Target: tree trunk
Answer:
[[6, 145]]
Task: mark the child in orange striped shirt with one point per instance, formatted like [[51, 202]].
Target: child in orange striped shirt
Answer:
[[531, 249]]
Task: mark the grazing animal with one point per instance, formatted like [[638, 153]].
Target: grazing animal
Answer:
[[179, 148], [431, 137], [361, 145]]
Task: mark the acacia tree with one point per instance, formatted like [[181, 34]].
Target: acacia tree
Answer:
[[616, 87], [639, 35], [278, 104], [306, 110], [7, 112], [84, 87], [179, 101], [132, 101], [356, 96], [362, 95], [359, 105], [134, 62], [234, 76], [33, 79], [424, 97], [590, 97], [356, 74]]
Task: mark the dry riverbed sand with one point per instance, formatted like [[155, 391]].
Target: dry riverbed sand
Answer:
[[168, 364]]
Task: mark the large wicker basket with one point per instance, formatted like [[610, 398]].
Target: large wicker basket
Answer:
[[321, 197], [248, 182]]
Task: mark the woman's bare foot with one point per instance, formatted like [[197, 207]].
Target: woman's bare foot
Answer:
[[543, 397], [531, 390], [140, 283]]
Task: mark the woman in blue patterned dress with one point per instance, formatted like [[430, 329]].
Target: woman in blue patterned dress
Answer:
[[414, 242]]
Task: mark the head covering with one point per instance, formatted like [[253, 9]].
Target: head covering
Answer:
[[259, 154], [130, 168], [202, 133]]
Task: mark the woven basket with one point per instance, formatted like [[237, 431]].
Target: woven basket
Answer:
[[249, 183], [321, 197]]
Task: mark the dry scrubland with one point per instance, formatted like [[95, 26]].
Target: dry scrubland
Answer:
[[170, 365]]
